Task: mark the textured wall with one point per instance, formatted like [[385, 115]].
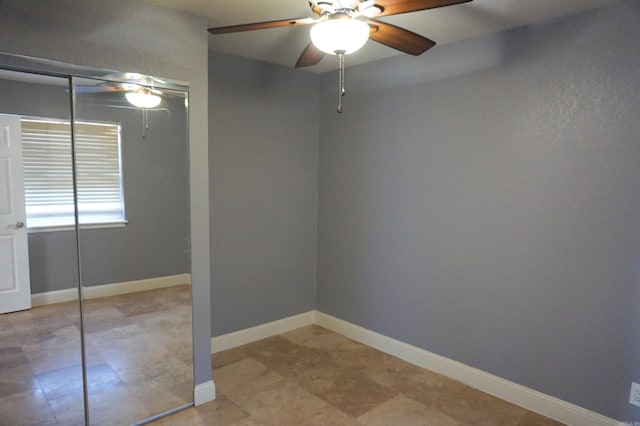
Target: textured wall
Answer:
[[263, 122], [482, 202]]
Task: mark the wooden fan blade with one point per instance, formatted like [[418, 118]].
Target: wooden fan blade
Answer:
[[262, 25], [395, 7], [102, 88], [310, 56], [317, 10], [399, 38]]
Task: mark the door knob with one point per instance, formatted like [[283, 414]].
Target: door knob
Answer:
[[18, 225]]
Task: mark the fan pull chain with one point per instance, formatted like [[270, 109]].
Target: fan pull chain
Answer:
[[145, 123], [341, 83]]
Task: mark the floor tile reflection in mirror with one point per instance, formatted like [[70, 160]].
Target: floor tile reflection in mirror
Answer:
[[139, 359]]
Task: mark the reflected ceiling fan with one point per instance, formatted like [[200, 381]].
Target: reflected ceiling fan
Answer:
[[139, 90], [343, 26], [139, 96]]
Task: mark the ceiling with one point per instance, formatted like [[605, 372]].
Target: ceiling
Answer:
[[443, 25]]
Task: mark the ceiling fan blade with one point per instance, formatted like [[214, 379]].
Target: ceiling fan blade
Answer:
[[101, 88], [310, 56], [395, 7], [317, 10], [262, 25], [399, 38]]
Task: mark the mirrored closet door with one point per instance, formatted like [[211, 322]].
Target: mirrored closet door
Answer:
[[131, 158], [105, 249]]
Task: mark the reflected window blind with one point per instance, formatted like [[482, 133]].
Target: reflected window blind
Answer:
[[48, 173]]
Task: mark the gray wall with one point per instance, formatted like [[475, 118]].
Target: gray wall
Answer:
[[134, 36], [482, 202], [155, 183], [263, 126], [156, 189]]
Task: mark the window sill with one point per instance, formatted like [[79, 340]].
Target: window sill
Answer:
[[37, 230]]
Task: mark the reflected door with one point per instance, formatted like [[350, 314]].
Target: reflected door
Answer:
[[15, 291]]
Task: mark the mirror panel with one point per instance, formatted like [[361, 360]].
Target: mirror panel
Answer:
[[40, 347], [133, 207]]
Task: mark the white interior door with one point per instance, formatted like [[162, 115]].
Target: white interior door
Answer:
[[15, 289]]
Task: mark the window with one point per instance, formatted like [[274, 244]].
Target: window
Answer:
[[48, 177]]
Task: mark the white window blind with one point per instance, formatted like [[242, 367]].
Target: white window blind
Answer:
[[48, 173]]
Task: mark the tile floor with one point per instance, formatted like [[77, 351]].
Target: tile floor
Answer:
[[138, 359], [314, 377], [139, 363]]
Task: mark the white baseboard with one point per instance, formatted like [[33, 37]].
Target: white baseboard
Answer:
[[514, 393], [530, 399], [204, 392], [248, 335], [91, 292], [57, 296]]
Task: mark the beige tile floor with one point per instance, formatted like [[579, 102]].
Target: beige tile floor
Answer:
[[314, 377], [139, 359], [139, 363]]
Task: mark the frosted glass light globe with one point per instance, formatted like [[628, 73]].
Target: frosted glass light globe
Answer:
[[143, 99], [340, 35]]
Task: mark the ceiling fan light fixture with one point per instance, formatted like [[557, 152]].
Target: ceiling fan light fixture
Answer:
[[340, 35], [143, 98]]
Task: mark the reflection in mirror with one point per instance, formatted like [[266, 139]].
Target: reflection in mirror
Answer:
[[40, 349], [133, 208]]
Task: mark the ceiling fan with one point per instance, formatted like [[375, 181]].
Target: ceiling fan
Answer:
[[343, 26], [138, 96]]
